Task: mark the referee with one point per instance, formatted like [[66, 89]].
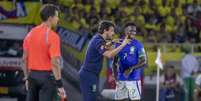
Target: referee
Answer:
[[90, 70], [41, 58]]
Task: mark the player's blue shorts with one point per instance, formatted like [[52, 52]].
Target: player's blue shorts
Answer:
[[88, 85]]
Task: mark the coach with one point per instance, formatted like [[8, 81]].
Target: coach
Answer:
[[90, 70]]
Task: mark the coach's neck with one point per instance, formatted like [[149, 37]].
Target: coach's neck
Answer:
[[104, 36]]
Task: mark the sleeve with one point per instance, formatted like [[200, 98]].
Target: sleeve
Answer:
[[99, 45], [141, 51], [25, 44], [54, 45]]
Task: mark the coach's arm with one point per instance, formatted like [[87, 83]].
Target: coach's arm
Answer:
[[113, 52]]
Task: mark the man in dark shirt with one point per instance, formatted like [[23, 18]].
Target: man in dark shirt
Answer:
[[90, 70]]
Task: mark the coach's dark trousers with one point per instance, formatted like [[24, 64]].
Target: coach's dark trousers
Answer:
[[41, 86], [88, 85]]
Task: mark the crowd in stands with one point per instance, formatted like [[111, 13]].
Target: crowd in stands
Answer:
[[10, 48], [164, 21], [168, 21]]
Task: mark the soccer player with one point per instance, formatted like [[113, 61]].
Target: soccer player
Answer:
[[90, 70], [128, 66]]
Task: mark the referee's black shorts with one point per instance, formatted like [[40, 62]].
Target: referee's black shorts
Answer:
[[41, 86]]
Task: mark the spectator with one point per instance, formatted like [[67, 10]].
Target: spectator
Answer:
[[3, 48], [189, 63], [170, 85], [163, 36], [180, 35], [147, 14], [189, 67], [15, 50], [151, 37]]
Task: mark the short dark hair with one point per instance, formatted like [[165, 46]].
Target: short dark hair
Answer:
[[48, 10], [104, 25], [129, 24]]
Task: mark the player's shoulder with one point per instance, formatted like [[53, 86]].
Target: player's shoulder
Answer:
[[138, 43]]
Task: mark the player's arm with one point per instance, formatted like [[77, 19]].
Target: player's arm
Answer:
[[142, 61], [114, 67]]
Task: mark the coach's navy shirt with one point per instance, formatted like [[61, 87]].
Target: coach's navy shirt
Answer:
[[94, 55]]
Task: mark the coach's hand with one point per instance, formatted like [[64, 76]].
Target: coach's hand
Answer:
[[108, 45], [126, 40], [62, 93]]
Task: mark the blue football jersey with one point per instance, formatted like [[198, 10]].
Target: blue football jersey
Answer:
[[128, 57]]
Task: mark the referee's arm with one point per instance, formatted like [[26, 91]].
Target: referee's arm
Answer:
[[56, 67], [25, 65], [25, 58], [25, 62], [55, 54]]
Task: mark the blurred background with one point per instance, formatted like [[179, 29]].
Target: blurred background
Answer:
[[174, 26]]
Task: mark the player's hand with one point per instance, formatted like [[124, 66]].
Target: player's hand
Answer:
[[62, 93], [127, 72], [126, 41]]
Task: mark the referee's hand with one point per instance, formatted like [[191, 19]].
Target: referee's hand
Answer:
[[62, 93], [26, 85]]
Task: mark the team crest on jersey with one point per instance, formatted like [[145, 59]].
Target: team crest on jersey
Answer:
[[132, 50]]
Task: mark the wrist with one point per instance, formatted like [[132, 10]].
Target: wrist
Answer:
[[59, 83]]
